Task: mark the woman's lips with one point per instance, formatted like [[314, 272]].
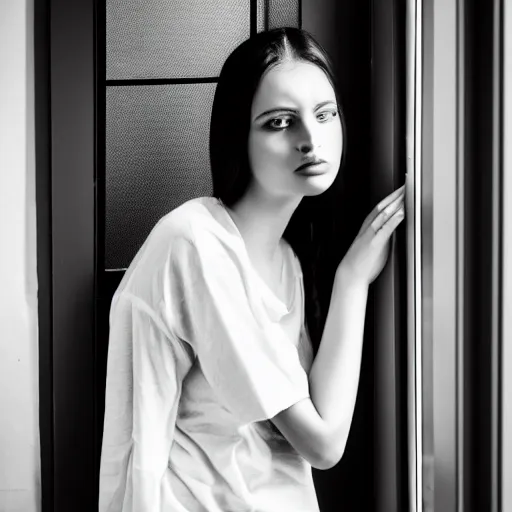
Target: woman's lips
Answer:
[[312, 168]]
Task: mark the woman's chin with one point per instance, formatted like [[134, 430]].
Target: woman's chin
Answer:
[[316, 185]]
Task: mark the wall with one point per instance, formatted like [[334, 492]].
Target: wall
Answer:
[[19, 433]]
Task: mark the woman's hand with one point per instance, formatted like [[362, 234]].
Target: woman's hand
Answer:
[[368, 253]]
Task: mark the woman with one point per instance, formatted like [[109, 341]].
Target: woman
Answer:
[[216, 399]]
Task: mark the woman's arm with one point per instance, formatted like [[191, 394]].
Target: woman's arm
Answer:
[[318, 427]]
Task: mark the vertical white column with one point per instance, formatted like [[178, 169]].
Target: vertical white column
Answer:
[[444, 266], [506, 356], [414, 123]]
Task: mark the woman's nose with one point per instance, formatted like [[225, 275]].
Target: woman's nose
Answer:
[[306, 141], [305, 147]]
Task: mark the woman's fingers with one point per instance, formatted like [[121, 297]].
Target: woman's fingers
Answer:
[[382, 206], [390, 199], [367, 255], [382, 218], [387, 229]]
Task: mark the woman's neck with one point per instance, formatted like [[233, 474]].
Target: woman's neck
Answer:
[[261, 220]]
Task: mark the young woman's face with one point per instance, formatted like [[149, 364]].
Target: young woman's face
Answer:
[[295, 138]]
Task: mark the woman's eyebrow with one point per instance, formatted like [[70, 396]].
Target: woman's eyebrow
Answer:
[[275, 111], [323, 103], [292, 110]]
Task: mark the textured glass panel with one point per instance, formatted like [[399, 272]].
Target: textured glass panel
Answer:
[[260, 15], [156, 159], [283, 13], [172, 38]]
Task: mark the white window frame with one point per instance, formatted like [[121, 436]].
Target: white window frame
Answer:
[[506, 360]]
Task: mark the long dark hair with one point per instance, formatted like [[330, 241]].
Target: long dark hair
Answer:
[[311, 227]]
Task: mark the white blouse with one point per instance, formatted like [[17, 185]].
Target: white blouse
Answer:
[[201, 355]]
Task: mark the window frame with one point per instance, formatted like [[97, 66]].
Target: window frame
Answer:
[[462, 211], [506, 361]]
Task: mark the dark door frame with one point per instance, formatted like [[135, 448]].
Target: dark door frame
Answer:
[[66, 158], [65, 195]]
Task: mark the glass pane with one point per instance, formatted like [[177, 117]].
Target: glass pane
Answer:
[[156, 159], [172, 38], [283, 13], [260, 15]]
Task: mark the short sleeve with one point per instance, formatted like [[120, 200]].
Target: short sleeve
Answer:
[[145, 370], [247, 358]]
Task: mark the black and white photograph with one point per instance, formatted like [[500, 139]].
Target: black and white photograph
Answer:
[[256, 256]]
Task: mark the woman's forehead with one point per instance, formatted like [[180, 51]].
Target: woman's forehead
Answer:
[[294, 84]]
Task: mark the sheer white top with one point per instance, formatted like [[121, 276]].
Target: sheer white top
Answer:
[[201, 355]]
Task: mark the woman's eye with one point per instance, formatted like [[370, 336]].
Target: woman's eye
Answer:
[[279, 123], [327, 115]]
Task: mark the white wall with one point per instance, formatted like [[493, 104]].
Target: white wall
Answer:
[[19, 428]]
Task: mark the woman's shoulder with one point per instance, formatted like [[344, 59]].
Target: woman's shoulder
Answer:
[[198, 221], [194, 230]]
